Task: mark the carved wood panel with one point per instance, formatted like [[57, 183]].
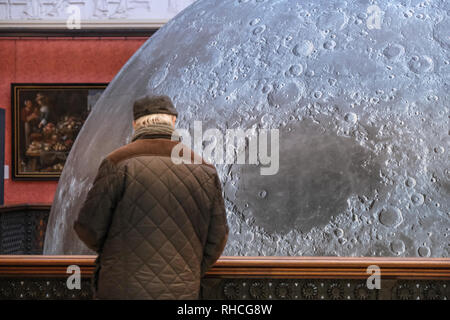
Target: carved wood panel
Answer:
[[246, 289], [250, 278], [22, 229]]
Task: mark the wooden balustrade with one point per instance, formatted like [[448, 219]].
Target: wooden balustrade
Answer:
[[43, 277], [254, 267], [22, 230]]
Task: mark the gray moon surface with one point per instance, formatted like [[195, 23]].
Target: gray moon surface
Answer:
[[359, 93]]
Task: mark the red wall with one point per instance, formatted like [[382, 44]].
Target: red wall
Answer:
[[53, 60]]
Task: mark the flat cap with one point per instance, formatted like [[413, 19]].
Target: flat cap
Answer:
[[153, 104]]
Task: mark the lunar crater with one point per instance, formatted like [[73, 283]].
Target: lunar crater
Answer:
[[362, 115]]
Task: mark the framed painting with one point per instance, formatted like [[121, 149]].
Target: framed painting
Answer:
[[46, 119]]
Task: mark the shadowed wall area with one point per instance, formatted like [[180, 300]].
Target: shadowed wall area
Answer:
[[359, 94]]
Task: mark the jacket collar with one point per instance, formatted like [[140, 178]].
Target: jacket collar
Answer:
[[154, 136], [156, 131]]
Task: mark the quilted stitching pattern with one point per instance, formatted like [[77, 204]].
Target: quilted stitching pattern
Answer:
[[157, 226]]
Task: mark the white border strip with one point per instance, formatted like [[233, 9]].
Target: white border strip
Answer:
[[85, 24]]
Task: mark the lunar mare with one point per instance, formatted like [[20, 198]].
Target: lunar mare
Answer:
[[362, 113]]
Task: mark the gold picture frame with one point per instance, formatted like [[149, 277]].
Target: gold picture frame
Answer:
[[46, 119]]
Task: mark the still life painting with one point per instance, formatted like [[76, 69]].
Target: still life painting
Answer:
[[46, 121]]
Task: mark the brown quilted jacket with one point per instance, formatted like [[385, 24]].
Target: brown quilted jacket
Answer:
[[157, 226]]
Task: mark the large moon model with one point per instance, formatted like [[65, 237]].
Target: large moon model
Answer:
[[359, 91]]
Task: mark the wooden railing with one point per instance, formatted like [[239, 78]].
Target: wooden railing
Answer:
[[254, 267], [330, 267], [22, 231], [43, 277], [252, 277]]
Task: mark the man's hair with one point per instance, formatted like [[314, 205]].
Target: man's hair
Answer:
[[156, 118]]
